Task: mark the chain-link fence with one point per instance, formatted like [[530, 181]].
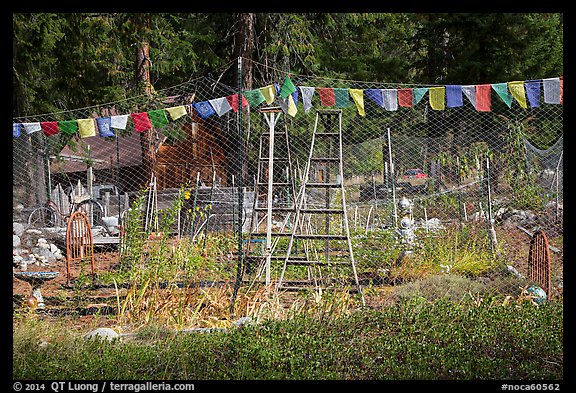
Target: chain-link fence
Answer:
[[377, 183]]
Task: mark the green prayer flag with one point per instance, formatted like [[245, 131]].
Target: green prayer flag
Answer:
[[254, 97], [502, 90], [342, 97], [68, 126], [418, 93], [287, 87], [158, 118]]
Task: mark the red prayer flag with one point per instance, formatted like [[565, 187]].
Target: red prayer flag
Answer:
[[141, 121], [405, 97], [483, 98], [233, 101], [327, 97], [49, 127]]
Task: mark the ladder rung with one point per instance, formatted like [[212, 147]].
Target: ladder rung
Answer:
[[331, 159], [321, 237], [323, 211], [272, 233], [275, 209], [275, 184], [324, 185], [314, 263]]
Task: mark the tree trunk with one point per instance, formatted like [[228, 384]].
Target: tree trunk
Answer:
[[244, 46]]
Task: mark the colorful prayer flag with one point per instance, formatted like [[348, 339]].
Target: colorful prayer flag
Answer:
[[375, 95], [358, 97], [517, 90], [177, 112], [418, 93], [502, 90], [49, 127], [342, 97], [68, 126], [158, 118], [551, 90], [405, 97], [470, 93], [307, 94], [287, 88], [233, 101], [437, 96], [254, 97], [119, 122], [141, 121], [390, 99], [32, 127], [86, 127], [327, 97], [533, 92], [454, 96], [16, 127], [269, 93], [483, 98], [204, 109], [104, 128], [220, 105]]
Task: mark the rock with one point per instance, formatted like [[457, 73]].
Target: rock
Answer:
[[103, 333], [16, 241], [17, 228], [243, 321]]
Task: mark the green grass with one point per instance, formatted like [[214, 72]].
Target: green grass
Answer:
[[412, 339]]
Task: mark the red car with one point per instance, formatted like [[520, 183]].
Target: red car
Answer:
[[413, 178]]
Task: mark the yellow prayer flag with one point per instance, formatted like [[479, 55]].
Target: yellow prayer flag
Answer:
[[437, 95], [86, 127], [358, 97], [269, 93], [517, 90], [176, 112], [292, 106]]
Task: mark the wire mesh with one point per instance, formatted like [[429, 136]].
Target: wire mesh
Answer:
[[450, 191]]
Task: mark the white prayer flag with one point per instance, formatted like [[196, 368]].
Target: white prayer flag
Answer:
[[119, 122], [307, 93], [220, 105]]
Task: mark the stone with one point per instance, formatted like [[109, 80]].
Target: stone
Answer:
[[103, 333]]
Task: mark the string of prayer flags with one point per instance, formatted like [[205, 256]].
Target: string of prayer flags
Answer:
[[49, 127], [405, 97], [454, 96], [502, 90], [358, 97], [417, 94], [104, 126], [552, 90], [32, 127], [220, 105], [158, 118], [307, 93], [327, 97], [176, 112], [141, 121], [533, 92], [68, 126], [204, 109], [517, 91], [483, 98], [119, 122], [436, 96], [86, 128], [269, 93]]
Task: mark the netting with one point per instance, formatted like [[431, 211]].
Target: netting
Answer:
[[429, 174]]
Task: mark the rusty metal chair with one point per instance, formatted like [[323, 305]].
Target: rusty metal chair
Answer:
[[79, 243]]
